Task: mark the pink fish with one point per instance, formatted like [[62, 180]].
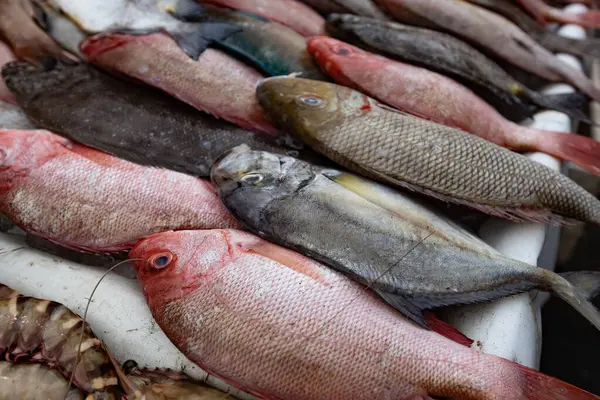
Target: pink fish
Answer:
[[291, 13], [432, 96], [281, 326], [217, 83], [544, 13], [6, 56], [87, 200]]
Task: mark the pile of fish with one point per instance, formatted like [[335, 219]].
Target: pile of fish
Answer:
[[277, 173]]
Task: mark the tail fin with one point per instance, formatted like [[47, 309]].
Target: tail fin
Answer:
[[576, 288], [583, 48], [572, 104], [589, 19], [580, 150], [194, 38], [537, 386]]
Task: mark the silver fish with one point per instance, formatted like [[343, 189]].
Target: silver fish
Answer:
[[406, 253]]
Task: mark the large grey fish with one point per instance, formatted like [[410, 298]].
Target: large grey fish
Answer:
[[589, 47], [403, 150], [408, 254], [454, 58], [130, 121], [492, 32], [144, 16], [358, 7]]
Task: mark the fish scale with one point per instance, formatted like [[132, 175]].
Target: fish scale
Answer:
[[351, 128]]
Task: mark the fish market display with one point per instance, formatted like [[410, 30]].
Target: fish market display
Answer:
[[434, 97], [273, 48], [143, 16], [545, 13], [216, 83], [589, 47], [27, 39], [488, 30], [452, 57], [153, 129], [366, 8], [87, 200], [34, 382], [291, 13], [45, 331], [296, 328], [394, 147], [411, 257]]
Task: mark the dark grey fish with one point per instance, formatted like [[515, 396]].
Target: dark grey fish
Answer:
[[130, 121], [408, 254], [452, 57], [365, 8], [589, 47]]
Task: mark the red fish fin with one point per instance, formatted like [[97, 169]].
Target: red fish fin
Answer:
[[580, 150], [445, 329], [538, 386], [589, 19]]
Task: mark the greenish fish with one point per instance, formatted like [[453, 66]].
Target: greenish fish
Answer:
[[410, 152]]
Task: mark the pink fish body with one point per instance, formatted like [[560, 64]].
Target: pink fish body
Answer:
[[87, 200], [545, 13], [432, 96], [216, 83], [291, 13], [6, 56], [281, 326]]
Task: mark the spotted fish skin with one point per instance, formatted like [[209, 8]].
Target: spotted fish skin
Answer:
[[399, 149]]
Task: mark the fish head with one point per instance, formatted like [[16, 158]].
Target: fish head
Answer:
[[250, 180], [171, 265], [336, 57], [27, 81], [308, 108], [24, 150]]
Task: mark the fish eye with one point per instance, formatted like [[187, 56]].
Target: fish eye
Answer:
[[161, 260], [253, 178], [312, 101], [343, 51]]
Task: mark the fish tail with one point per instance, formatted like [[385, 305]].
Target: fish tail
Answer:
[[577, 149], [194, 38], [535, 385], [577, 289], [572, 104], [589, 19]]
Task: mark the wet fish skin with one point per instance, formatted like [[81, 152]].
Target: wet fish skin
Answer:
[[86, 200], [432, 96], [408, 254], [290, 13], [64, 31], [130, 121], [588, 47], [6, 56], [296, 328], [271, 47], [545, 13], [34, 382], [486, 30], [359, 7], [28, 41], [454, 58], [396, 148], [217, 83], [144, 16], [12, 117]]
